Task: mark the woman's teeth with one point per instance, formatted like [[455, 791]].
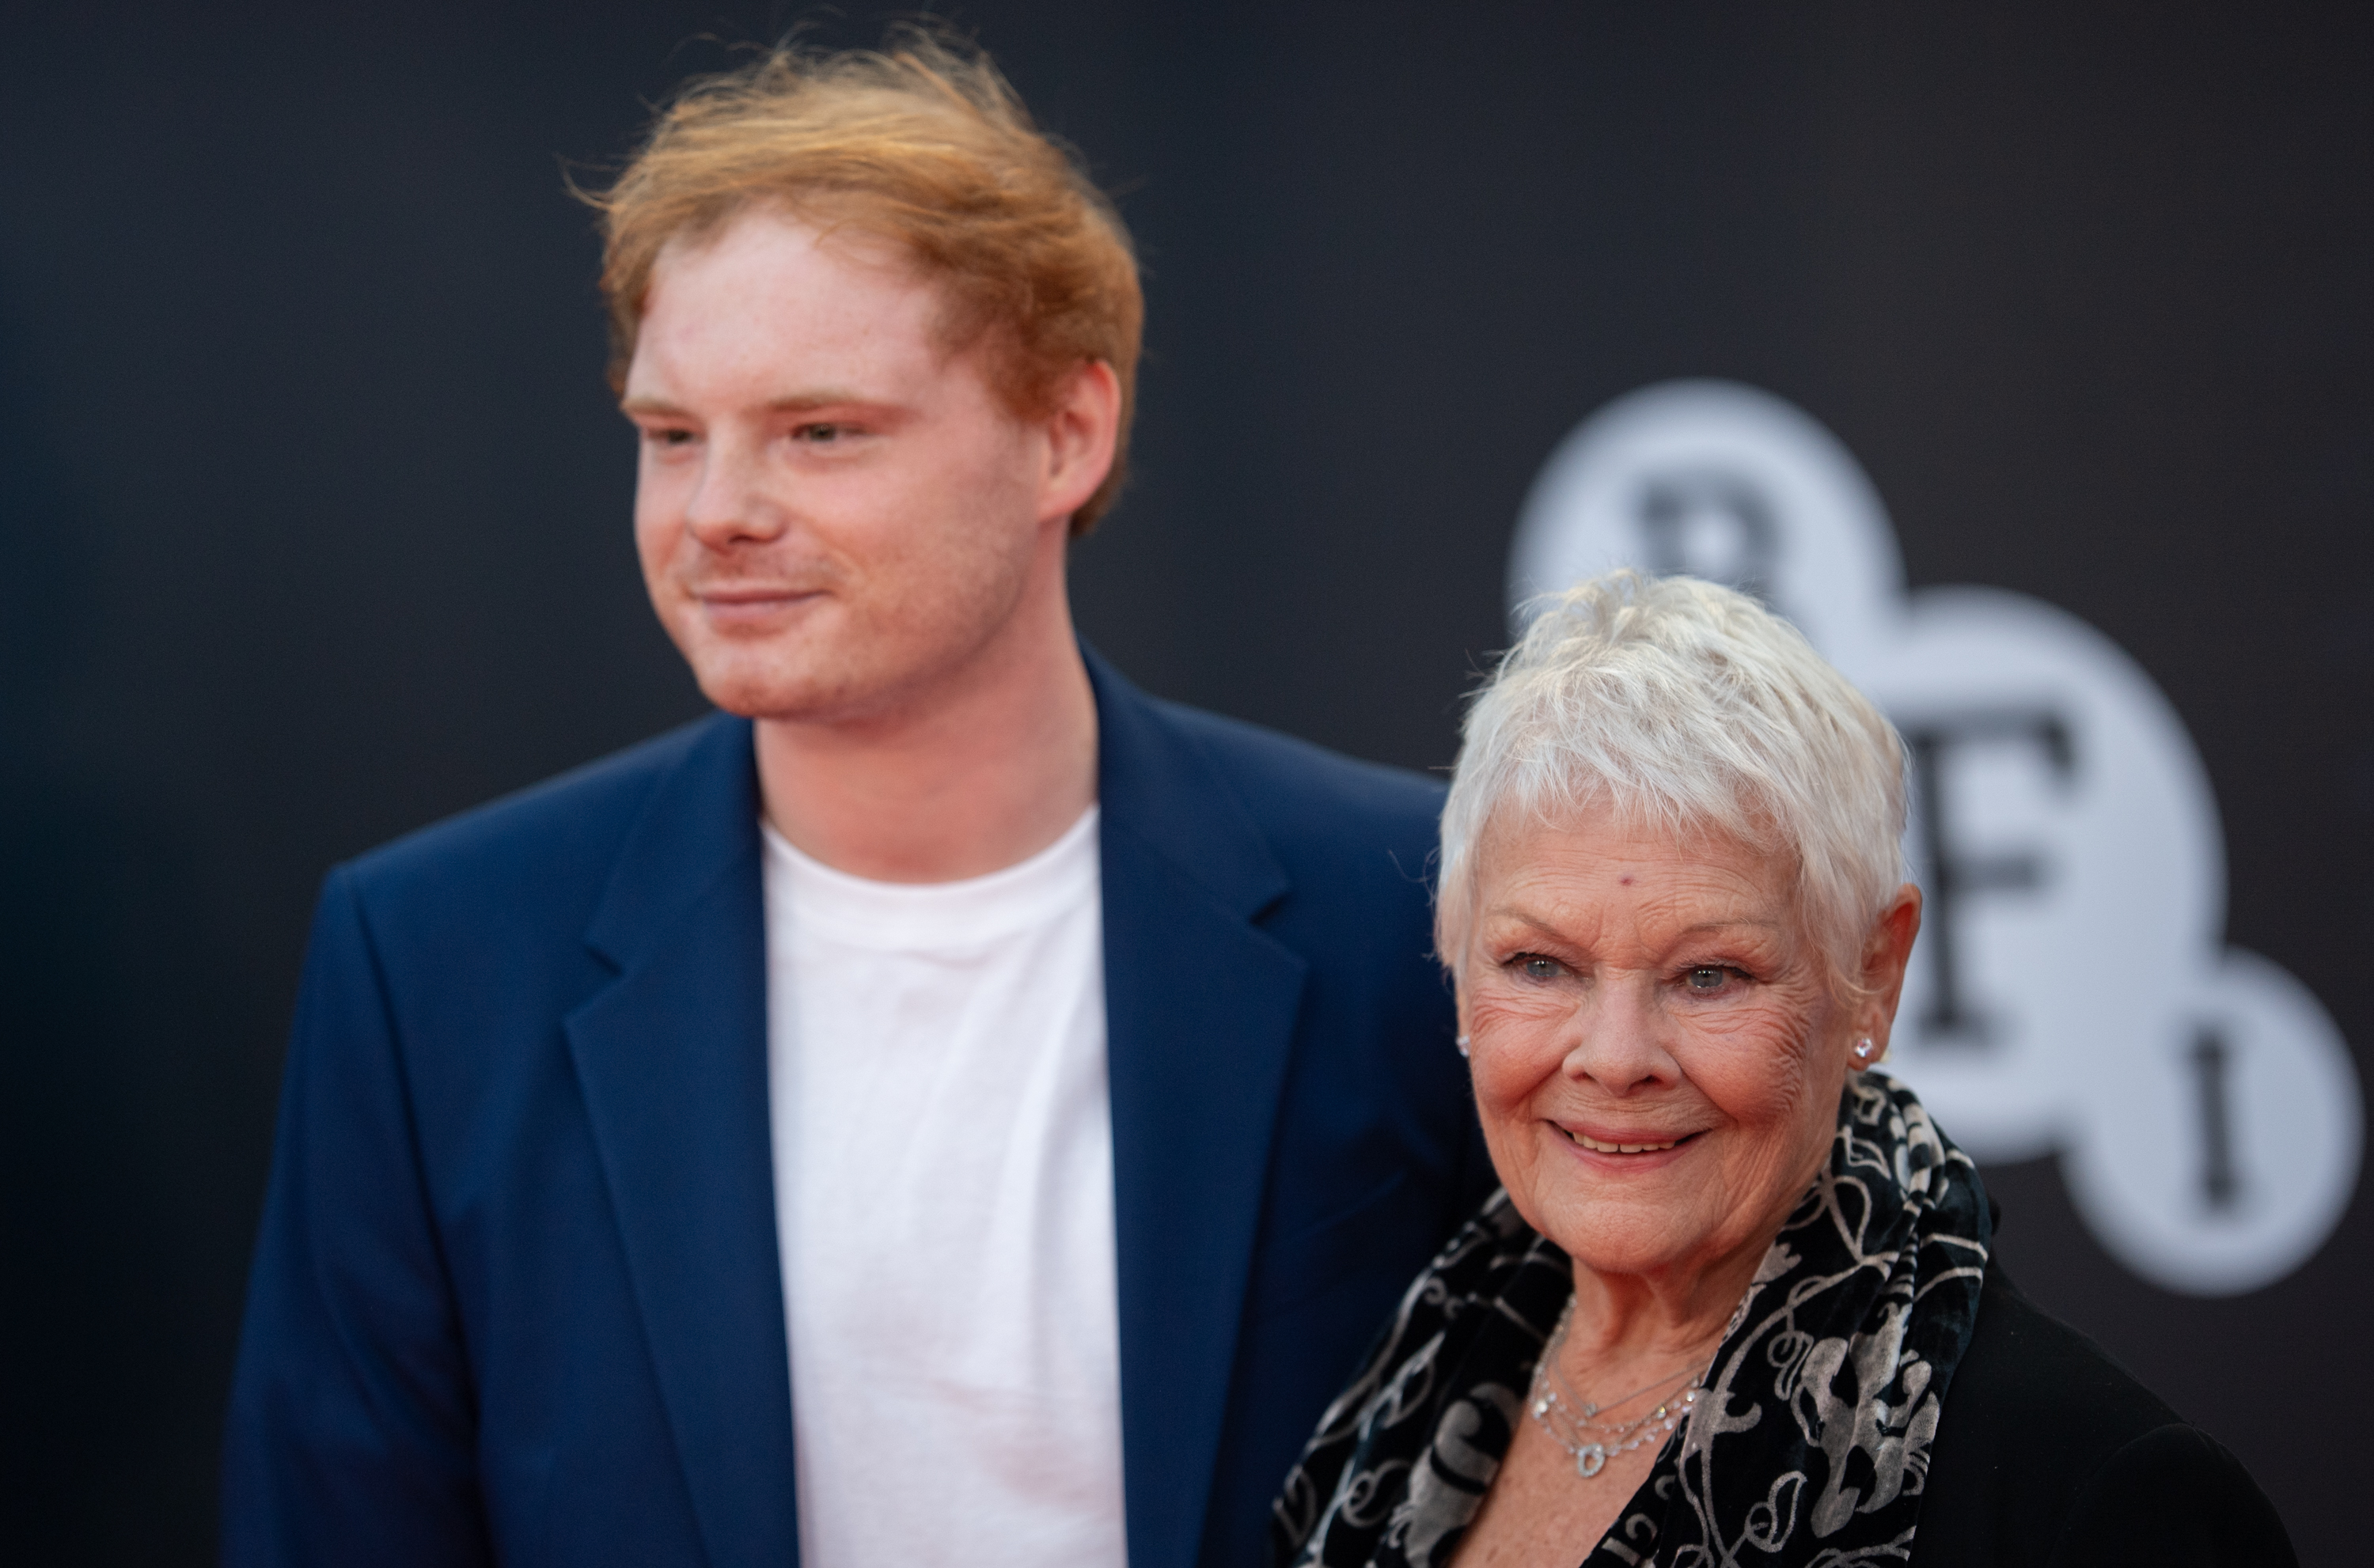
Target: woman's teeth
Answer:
[[1597, 1147]]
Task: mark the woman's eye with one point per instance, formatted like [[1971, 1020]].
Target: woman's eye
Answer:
[[1707, 977], [1536, 968]]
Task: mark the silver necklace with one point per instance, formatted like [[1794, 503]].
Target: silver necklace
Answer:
[[1571, 1421]]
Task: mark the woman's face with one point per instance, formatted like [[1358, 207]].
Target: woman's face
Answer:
[[1657, 1057]]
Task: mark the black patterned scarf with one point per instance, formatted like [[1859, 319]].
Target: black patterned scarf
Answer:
[[1811, 1445]]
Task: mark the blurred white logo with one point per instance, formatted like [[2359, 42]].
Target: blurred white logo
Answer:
[[2072, 990]]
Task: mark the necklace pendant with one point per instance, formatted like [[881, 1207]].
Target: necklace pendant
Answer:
[[1588, 1460]]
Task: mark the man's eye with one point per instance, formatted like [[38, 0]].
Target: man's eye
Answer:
[[824, 435]]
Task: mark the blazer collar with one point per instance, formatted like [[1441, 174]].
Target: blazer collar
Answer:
[[672, 1058], [1200, 1012], [699, 824], [1165, 786]]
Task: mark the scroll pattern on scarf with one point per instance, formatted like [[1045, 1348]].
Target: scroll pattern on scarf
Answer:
[[1812, 1445]]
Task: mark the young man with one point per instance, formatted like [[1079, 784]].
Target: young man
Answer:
[[948, 1106]]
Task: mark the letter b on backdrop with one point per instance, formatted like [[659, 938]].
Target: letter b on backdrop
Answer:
[[2072, 991]]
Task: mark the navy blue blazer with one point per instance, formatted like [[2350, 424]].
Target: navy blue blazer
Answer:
[[517, 1298]]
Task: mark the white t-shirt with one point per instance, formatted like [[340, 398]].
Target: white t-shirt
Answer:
[[943, 1145]]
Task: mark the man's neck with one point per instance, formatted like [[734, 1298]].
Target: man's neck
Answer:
[[968, 779]]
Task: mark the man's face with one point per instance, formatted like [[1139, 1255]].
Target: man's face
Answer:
[[834, 518]]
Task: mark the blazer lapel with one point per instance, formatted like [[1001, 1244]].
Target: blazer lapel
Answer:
[[671, 1058], [1200, 1012], [1200, 1009]]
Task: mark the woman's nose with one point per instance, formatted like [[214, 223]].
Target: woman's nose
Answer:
[[1617, 1042]]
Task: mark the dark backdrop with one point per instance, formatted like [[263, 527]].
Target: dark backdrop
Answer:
[[316, 513]]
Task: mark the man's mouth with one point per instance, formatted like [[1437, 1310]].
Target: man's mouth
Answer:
[[750, 594], [751, 606]]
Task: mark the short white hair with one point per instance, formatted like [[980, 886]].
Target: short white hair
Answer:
[[1684, 707]]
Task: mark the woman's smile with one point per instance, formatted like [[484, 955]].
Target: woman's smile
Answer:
[[1622, 1144]]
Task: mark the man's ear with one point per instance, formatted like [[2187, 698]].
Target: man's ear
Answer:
[[1886, 956], [1081, 432]]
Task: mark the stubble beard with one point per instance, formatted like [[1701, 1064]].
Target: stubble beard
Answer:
[[838, 667]]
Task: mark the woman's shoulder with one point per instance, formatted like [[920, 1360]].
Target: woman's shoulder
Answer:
[[2049, 1452]]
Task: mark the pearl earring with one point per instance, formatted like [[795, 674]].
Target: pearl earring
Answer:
[[1462, 1045]]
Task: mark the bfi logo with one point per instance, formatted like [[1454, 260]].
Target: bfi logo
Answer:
[[2073, 992]]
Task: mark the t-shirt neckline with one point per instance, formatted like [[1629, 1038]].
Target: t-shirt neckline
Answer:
[[821, 898]]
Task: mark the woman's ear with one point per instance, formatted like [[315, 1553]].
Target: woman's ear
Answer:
[[1886, 955]]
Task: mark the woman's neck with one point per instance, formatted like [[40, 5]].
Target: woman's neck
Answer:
[[1654, 1320]]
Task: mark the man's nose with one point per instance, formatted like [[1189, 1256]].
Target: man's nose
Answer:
[[732, 503]]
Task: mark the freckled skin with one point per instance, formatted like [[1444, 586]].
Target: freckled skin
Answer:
[[834, 515], [856, 543], [1637, 989]]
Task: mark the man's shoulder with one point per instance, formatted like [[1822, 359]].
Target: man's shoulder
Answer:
[[1251, 812], [1290, 783], [564, 829]]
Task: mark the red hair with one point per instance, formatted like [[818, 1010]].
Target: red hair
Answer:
[[923, 144]]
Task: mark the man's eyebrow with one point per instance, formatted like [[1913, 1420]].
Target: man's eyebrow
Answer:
[[791, 403], [823, 397]]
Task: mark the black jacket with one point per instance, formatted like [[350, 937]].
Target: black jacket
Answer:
[[2049, 1455]]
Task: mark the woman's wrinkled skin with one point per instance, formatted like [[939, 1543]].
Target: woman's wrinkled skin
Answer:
[[1658, 1054]]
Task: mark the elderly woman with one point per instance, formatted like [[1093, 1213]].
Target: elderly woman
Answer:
[[1735, 1302]]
